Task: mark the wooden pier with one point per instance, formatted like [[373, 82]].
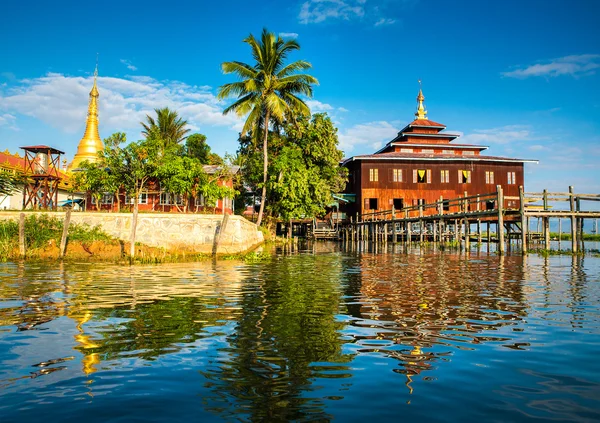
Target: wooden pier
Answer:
[[452, 220]]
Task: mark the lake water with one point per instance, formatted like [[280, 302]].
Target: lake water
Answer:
[[316, 334]]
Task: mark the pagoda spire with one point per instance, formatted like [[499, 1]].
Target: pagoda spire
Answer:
[[421, 111], [90, 144]]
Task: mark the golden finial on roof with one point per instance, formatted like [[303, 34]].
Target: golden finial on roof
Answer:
[[421, 111], [90, 144]]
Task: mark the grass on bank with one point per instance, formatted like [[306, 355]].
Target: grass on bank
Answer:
[[43, 234]]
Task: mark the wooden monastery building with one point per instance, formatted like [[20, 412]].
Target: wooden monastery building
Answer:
[[422, 165]]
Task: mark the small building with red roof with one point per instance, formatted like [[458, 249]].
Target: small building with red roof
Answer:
[[422, 165]]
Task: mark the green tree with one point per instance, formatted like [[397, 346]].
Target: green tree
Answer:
[[182, 176], [113, 160], [92, 179], [196, 147], [306, 171], [8, 183], [167, 126], [268, 91]]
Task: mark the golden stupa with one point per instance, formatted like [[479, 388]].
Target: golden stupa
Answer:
[[90, 144]]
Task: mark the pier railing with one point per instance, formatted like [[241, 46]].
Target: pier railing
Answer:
[[507, 212]]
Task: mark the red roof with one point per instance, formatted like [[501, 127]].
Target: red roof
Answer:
[[8, 160], [426, 122], [42, 149]]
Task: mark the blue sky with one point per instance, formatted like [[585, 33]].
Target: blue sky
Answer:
[[522, 77]]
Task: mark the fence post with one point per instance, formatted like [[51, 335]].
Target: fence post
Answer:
[[524, 227], [573, 221], [63, 240]]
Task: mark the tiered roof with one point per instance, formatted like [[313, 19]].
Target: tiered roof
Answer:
[[424, 139]]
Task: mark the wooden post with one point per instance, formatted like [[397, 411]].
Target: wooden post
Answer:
[[524, 227], [63, 240], [133, 229], [478, 232], [573, 222], [456, 231], [467, 234], [546, 226], [22, 235], [409, 232], [580, 225], [421, 226], [393, 225], [385, 232], [488, 234], [435, 231], [500, 220], [559, 231], [219, 236]]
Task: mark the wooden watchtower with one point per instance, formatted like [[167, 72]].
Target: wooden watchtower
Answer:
[[42, 164]]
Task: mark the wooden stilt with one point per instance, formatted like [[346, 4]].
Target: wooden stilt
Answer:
[[573, 221], [500, 235]]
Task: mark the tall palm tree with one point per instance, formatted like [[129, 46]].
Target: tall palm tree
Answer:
[[268, 90], [168, 126]]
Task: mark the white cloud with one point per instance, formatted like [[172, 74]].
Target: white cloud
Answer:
[[343, 109], [293, 35], [315, 11], [537, 147], [503, 135], [385, 22], [577, 65], [128, 64], [8, 120], [317, 106], [61, 101], [371, 134]]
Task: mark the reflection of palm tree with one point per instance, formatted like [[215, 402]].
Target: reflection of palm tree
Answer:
[[285, 327]]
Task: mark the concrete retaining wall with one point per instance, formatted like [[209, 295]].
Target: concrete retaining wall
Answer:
[[195, 232]]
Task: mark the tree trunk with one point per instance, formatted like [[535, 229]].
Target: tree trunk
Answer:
[[133, 226], [265, 167]]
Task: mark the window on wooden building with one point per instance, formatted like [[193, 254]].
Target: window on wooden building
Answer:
[[427, 151], [445, 176], [107, 198], [165, 199], [396, 175], [199, 201], [371, 204], [468, 153], [512, 178], [142, 199], [464, 176], [447, 151], [406, 150], [422, 176], [373, 175], [398, 203], [489, 177]]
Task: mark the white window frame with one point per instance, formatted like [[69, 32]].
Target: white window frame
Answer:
[[445, 176], [397, 175], [373, 174]]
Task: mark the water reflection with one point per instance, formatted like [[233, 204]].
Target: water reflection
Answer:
[[313, 334]]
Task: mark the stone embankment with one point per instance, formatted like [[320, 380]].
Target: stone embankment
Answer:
[[201, 233]]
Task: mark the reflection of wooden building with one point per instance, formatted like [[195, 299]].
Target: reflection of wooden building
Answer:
[[422, 165]]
